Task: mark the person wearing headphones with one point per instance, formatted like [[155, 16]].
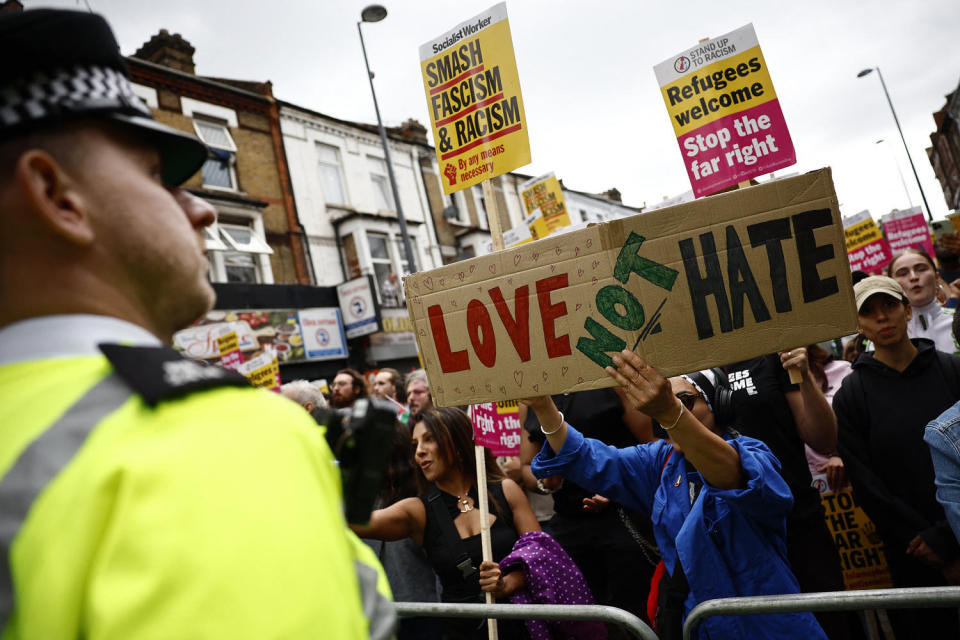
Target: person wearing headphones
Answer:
[[716, 499]]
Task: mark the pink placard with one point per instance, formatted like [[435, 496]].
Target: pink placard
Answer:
[[871, 258], [736, 148], [908, 232], [232, 359], [497, 427]]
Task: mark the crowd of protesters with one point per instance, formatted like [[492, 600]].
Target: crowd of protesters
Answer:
[[664, 493]]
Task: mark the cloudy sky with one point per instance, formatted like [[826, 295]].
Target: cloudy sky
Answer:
[[595, 113]]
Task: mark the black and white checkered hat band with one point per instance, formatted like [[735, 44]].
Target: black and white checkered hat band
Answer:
[[77, 91]]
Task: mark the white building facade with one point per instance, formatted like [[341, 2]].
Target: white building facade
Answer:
[[345, 202]]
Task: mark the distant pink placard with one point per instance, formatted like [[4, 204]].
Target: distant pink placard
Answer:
[[870, 258], [908, 232], [231, 360], [497, 427], [738, 147]]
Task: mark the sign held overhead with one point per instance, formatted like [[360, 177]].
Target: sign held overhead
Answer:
[[724, 111], [687, 287], [473, 96]]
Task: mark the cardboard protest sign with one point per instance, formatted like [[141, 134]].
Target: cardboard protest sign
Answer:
[[473, 96], [724, 111], [687, 287], [867, 249], [496, 426], [544, 194], [862, 559], [907, 230]]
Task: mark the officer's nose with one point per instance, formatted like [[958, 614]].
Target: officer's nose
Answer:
[[199, 212]]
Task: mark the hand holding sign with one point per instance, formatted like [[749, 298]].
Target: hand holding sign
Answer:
[[649, 390], [796, 363]]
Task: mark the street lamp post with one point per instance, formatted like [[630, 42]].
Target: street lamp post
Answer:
[[904, 140], [376, 13], [899, 172]]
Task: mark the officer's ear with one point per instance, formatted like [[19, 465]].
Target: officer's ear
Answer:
[[54, 196]]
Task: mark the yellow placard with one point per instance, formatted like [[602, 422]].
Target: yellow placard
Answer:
[[718, 90], [546, 194], [860, 234], [473, 97], [262, 370], [265, 376], [508, 407], [228, 342], [862, 559]]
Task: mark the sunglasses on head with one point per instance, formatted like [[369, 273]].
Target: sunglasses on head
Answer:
[[688, 398]]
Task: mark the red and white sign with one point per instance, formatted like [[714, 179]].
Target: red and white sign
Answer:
[[907, 230], [496, 426]]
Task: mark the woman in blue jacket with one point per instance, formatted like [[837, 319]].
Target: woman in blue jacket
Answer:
[[717, 501]]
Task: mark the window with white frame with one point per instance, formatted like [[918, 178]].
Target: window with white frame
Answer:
[[219, 171], [238, 251], [382, 194], [331, 174], [389, 261], [455, 208], [481, 204], [402, 253]]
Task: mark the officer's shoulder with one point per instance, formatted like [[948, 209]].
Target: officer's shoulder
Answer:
[[161, 373]]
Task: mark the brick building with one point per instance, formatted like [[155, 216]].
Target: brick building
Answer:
[[257, 238], [944, 154]]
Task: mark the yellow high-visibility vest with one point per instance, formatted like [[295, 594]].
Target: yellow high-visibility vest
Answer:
[[212, 513]]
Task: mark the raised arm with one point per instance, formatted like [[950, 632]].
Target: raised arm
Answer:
[[816, 422], [717, 461]]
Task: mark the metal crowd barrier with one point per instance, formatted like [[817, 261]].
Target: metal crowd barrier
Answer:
[[916, 597], [600, 613]]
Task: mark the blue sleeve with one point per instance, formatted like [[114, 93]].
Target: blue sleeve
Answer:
[[628, 476], [946, 466], [765, 497]]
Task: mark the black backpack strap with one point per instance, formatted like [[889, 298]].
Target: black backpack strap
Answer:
[[449, 534]]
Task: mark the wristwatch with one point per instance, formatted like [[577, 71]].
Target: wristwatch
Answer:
[[544, 490]]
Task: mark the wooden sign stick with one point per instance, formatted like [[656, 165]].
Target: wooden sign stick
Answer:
[[496, 234]]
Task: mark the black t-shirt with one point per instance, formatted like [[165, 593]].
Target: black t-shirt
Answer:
[[762, 412], [597, 413]]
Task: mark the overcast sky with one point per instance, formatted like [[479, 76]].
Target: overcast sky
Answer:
[[595, 114]]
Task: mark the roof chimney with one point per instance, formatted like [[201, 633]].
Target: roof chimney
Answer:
[[413, 131], [169, 50], [613, 195]]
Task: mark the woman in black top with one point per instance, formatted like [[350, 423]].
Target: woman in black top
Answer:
[[447, 476]]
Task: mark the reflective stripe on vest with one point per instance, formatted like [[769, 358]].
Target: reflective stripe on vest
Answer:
[[377, 609], [40, 463]]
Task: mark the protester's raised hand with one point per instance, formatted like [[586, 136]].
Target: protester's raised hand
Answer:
[[950, 242], [796, 358], [649, 391]]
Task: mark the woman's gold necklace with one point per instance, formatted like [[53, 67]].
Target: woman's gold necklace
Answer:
[[463, 504]]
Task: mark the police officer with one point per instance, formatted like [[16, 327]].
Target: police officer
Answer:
[[141, 494]]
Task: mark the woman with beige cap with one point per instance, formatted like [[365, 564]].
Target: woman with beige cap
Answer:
[[882, 409]]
